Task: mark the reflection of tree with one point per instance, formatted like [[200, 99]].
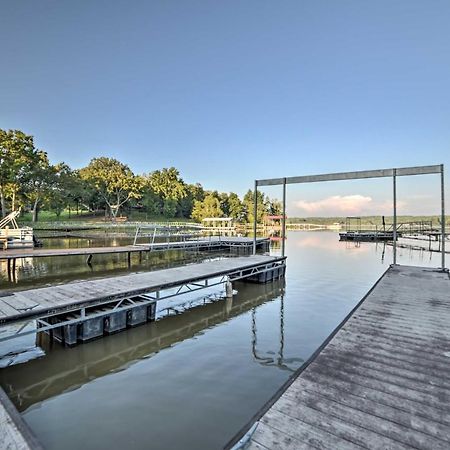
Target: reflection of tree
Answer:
[[278, 361]]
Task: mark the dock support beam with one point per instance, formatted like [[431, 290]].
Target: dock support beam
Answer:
[[255, 210], [283, 221], [442, 218], [394, 231], [229, 289]]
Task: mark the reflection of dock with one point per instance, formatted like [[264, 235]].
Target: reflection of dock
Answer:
[[379, 381], [105, 356], [421, 243]]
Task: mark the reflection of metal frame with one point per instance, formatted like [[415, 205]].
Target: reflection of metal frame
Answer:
[[269, 361], [143, 343]]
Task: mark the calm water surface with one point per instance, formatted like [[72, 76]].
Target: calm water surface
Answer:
[[191, 381]]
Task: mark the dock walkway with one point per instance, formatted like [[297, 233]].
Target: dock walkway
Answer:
[[14, 431], [17, 305], [214, 242], [381, 381]]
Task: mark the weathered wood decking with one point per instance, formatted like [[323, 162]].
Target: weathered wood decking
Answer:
[[382, 381], [14, 432], [49, 300], [214, 242]]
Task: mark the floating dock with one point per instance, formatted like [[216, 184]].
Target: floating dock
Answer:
[[83, 310], [97, 360], [214, 242], [381, 380], [366, 236]]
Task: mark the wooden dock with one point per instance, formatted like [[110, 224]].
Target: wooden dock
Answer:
[[214, 242], [98, 361], [18, 305], [380, 381], [14, 431]]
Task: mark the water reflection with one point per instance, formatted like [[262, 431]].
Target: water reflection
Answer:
[[65, 369], [270, 357], [214, 365]]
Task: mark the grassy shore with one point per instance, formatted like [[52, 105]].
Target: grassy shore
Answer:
[[50, 219]]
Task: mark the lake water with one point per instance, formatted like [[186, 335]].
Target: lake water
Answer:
[[191, 381]]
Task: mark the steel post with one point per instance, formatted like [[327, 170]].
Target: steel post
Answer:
[[442, 217], [394, 234], [283, 221], [255, 210]]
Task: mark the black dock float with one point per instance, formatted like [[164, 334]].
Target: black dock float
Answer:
[[81, 311]]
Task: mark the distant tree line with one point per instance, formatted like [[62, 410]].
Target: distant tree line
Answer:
[[28, 180]]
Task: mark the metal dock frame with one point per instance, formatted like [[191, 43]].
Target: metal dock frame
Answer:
[[127, 302], [378, 173]]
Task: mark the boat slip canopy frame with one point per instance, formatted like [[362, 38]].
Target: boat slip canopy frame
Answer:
[[379, 173]]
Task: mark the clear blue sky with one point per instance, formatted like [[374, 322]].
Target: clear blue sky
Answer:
[[236, 90]]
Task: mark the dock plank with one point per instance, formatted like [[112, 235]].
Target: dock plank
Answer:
[[375, 408], [14, 432], [92, 292], [213, 242], [381, 381]]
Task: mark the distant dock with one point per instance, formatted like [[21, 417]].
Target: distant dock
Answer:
[[379, 381], [212, 243]]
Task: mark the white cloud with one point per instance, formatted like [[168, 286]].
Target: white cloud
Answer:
[[336, 205]]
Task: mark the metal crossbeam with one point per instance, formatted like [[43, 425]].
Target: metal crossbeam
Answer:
[[144, 299], [379, 173], [341, 176]]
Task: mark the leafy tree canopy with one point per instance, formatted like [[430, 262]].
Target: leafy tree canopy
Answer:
[[114, 181]]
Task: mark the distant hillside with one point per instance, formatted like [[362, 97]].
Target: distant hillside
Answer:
[[367, 220]]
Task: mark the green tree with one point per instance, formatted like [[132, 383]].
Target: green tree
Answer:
[[196, 191], [249, 206], [151, 201], [224, 203], [65, 189], [17, 158], [170, 208], [40, 182], [209, 207], [171, 190], [274, 207], [168, 184], [186, 204], [236, 207], [114, 181]]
